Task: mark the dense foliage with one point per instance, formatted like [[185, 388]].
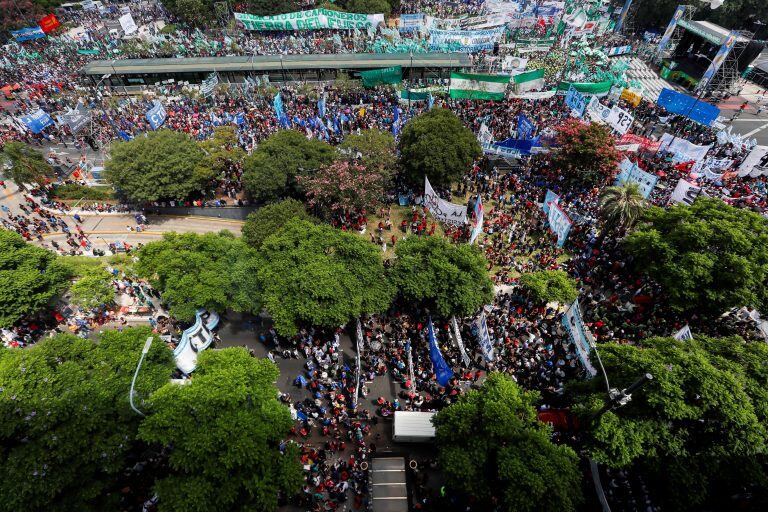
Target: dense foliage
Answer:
[[698, 429], [436, 144], [550, 286], [586, 153], [708, 256], [318, 275], [373, 149], [270, 171], [223, 432], [492, 446], [268, 220], [93, 290], [30, 278], [212, 271], [65, 422], [24, 164], [163, 165], [445, 278]]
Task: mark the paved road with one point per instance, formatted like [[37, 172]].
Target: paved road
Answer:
[[108, 228]]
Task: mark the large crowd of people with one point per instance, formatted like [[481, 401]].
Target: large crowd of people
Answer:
[[338, 432]]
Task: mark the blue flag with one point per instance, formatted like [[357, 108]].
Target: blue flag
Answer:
[[321, 105], [430, 101], [443, 372], [279, 112], [396, 121]]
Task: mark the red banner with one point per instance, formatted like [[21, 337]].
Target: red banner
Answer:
[[646, 144], [49, 23]]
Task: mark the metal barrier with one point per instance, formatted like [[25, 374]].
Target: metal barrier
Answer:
[[224, 212]]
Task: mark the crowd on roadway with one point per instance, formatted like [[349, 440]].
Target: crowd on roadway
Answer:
[[338, 432]]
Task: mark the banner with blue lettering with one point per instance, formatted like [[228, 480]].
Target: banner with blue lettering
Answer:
[[480, 329], [688, 106], [576, 100], [156, 115], [551, 197], [525, 127], [411, 22], [618, 50], [443, 372], [579, 336], [27, 34], [631, 173], [464, 40], [559, 223], [37, 121]]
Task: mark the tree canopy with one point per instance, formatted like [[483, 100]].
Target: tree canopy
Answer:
[[345, 186], [65, 422], [708, 256], [447, 279], [550, 286], [318, 275], [164, 165], [268, 220], [438, 145], [270, 171], [24, 164], [621, 207], [491, 445], [222, 149], [374, 149], [93, 290], [30, 278], [212, 271], [698, 429], [586, 153], [224, 431]]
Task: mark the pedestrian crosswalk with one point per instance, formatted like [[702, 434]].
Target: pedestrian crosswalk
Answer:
[[651, 82]]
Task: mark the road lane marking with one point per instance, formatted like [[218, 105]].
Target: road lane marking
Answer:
[[758, 129]]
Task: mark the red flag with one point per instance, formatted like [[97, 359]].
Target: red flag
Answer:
[[541, 24], [49, 23]]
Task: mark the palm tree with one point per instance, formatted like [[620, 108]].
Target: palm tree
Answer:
[[620, 208], [24, 164]]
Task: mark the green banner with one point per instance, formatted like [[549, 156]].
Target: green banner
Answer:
[[596, 88], [374, 77], [88, 52], [310, 20]]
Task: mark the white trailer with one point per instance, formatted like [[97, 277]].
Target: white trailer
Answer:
[[413, 427]]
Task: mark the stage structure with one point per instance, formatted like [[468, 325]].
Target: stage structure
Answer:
[[702, 56]]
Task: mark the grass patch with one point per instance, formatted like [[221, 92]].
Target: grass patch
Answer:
[[75, 191]]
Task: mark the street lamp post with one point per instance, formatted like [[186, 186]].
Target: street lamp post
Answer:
[[144, 351], [618, 398]]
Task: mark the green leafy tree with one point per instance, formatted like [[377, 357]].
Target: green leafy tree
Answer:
[[201, 271], [374, 149], [708, 256], [492, 446], [93, 290], [447, 279], [271, 171], [65, 422], [222, 149], [268, 220], [621, 207], [163, 165], [30, 278], [317, 275], [550, 286], [223, 432], [436, 144], [697, 430], [586, 153], [368, 6], [737, 14], [23, 164]]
